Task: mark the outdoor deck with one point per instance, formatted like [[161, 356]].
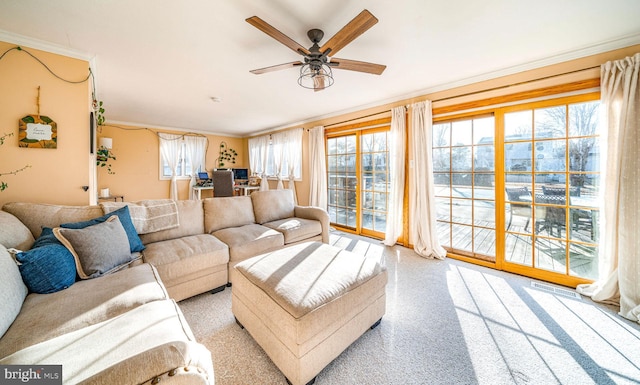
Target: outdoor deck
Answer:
[[550, 251]]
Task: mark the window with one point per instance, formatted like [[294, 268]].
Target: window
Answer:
[[277, 154], [187, 150], [184, 165]]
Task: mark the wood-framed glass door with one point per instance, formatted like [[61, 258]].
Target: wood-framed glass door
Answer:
[[518, 190], [464, 177], [358, 180], [551, 179]]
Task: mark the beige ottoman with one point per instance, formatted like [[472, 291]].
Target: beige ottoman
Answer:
[[306, 303]]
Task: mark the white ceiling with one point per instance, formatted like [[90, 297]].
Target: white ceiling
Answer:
[[158, 63]]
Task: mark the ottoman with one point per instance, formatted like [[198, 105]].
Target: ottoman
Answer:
[[306, 303]]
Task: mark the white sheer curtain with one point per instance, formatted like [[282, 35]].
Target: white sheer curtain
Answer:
[[258, 156], [255, 155], [170, 146], [318, 165], [279, 148], [397, 144], [196, 147], [619, 256], [422, 204]]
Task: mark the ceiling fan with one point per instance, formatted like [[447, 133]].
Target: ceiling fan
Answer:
[[315, 71]]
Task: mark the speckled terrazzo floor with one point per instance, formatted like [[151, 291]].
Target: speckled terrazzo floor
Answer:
[[447, 322]]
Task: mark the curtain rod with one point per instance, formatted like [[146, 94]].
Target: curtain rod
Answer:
[[514, 84], [472, 93]]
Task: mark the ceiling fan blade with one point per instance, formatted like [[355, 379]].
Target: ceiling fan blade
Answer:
[[354, 65], [276, 67], [356, 27], [274, 33]]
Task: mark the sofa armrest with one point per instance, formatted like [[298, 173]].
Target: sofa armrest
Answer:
[[315, 213]]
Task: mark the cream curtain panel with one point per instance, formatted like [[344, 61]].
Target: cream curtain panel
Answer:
[[619, 256], [397, 143], [196, 147], [422, 206], [170, 147], [294, 157], [318, 165]]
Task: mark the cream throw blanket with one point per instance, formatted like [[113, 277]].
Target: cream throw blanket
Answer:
[[148, 216]]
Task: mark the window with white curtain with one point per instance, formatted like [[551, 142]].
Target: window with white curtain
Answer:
[[183, 169], [276, 154]]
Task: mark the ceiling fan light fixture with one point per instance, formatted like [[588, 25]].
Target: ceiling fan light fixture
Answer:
[[315, 76]]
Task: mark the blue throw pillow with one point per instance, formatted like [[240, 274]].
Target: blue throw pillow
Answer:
[[49, 266], [123, 214]]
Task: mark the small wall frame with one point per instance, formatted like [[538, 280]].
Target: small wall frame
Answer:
[[37, 131]]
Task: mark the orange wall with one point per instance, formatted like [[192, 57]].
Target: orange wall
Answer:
[[136, 168], [55, 175]]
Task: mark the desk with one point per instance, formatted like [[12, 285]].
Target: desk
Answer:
[[114, 197], [246, 190], [197, 190]]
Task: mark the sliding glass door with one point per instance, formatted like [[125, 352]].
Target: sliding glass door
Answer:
[[552, 183], [358, 180], [342, 180], [463, 163], [517, 188]]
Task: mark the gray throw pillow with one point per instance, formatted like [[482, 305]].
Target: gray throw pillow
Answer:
[[99, 249]]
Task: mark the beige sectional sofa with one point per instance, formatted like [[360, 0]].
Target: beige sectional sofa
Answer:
[[125, 327]]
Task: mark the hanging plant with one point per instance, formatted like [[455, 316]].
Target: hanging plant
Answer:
[[99, 111], [103, 154], [227, 154], [102, 158]]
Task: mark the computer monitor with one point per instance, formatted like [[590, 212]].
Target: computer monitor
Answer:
[[203, 175], [240, 173]]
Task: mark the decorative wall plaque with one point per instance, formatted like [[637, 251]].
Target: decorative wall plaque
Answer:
[[38, 131]]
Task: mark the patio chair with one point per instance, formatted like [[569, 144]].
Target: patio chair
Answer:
[[574, 191], [554, 217], [519, 194]]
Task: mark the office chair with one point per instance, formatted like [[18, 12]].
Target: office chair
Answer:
[[222, 183]]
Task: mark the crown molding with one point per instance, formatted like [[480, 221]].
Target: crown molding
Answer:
[[117, 123], [46, 46]]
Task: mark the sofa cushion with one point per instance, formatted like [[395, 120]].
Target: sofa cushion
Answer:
[[85, 303], [49, 266], [38, 215], [135, 244], [133, 347], [249, 240], [13, 233], [99, 249], [221, 213], [272, 205], [12, 290], [296, 229], [191, 218], [177, 258]]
